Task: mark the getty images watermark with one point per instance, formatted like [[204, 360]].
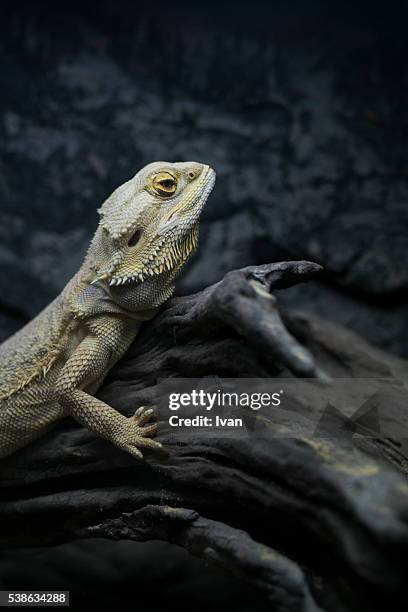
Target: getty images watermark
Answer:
[[217, 400], [287, 407]]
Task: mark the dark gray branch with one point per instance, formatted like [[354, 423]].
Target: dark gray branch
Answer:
[[282, 580], [310, 498]]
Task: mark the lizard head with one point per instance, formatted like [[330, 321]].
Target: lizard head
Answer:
[[149, 225]]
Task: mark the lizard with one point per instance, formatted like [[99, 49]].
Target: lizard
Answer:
[[53, 366]]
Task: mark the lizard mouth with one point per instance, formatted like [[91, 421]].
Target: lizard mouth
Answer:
[[167, 258]]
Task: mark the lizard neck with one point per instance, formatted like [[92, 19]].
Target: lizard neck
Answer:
[[137, 301]]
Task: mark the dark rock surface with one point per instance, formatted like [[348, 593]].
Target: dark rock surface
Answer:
[[304, 117], [149, 574], [313, 521]]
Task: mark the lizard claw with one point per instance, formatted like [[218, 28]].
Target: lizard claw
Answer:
[[136, 434], [142, 415]]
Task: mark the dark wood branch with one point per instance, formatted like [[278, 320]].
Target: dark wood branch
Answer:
[[282, 580], [262, 505]]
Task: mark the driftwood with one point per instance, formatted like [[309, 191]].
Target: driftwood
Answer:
[[315, 522]]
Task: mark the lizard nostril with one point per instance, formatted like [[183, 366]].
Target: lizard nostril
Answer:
[[134, 239]]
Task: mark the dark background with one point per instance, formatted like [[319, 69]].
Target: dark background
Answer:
[[301, 108]]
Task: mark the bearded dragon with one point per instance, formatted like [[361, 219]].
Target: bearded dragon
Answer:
[[53, 366]]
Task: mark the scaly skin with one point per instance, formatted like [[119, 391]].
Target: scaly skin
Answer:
[[54, 365]]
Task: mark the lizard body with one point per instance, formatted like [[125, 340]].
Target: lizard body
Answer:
[[54, 365]]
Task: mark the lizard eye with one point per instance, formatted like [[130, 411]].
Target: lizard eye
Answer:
[[164, 183]]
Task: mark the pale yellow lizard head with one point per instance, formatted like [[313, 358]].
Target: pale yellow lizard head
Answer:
[[149, 225]]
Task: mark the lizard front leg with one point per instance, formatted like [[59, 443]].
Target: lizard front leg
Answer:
[[86, 365]]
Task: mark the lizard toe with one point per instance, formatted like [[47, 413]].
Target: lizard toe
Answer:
[[143, 415], [148, 443], [139, 412], [148, 430], [135, 452]]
